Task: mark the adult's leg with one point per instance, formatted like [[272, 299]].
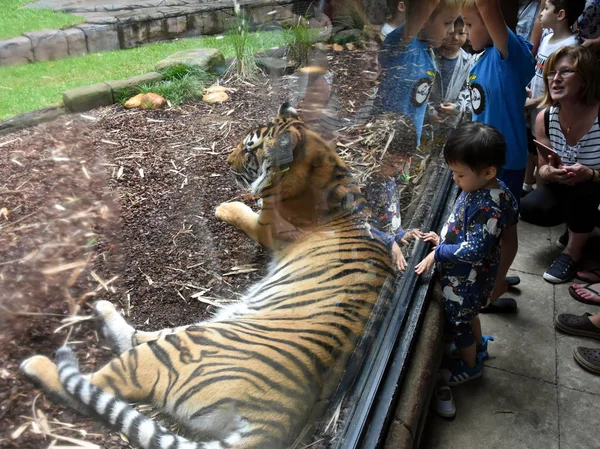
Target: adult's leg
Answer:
[[580, 205]]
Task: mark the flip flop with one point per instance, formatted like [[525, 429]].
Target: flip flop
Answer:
[[592, 276], [512, 281], [577, 297], [501, 305]]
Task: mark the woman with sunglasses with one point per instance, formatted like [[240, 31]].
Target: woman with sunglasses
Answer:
[[569, 125]]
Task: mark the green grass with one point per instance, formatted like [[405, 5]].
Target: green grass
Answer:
[[15, 20], [34, 86]]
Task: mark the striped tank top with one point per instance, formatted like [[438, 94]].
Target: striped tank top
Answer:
[[586, 151]]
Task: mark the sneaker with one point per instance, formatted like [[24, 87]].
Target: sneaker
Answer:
[[451, 350], [562, 269], [461, 373], [563, 240], [444, 403]]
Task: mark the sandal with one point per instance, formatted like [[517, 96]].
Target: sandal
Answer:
[[577, 297], [590, 276], [501, 305], [588, 358], [577, 325], [512, 281]]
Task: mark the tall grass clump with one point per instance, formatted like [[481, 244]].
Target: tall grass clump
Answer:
[[350, 15], [299, 42], [244, 65], [180, 84]]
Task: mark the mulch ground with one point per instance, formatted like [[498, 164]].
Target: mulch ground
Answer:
[[119, 205]]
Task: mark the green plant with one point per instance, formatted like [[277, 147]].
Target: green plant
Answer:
[[347, 38], [299, 43], [351, 15], [244, 64]]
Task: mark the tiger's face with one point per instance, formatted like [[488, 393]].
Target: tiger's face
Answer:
[[254, 157]]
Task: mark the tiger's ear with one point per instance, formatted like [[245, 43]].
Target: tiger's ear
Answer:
[[281, 152], [286, 111]]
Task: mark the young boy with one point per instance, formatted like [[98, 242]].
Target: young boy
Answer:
[[558, 16], [407, 61], [397, 17], [451, 99], [468, 249], [498, 80]]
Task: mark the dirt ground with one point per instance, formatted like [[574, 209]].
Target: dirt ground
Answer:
[[119, 205]]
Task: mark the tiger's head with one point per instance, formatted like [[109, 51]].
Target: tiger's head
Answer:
[[266, 150]]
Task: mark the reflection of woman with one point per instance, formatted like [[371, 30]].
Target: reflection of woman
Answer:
[[570, 126]]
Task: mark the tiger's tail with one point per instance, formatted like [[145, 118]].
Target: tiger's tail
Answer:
[[116, 413]]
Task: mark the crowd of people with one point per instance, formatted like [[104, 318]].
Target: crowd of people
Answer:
[[517, 115]]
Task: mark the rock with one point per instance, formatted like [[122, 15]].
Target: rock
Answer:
[[31, 119], [134, 34], [16, 51], [156, 30], [216, 88], [209, 59], [100, 37], [321, 46], [275, 66], [134, 102], [85, 98], [122, 86], [350, 46], [337, 47], [75, 41], [175, 25], [48, 45], [215, 97]]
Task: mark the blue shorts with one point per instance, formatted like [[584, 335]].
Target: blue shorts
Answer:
[[514, 181]]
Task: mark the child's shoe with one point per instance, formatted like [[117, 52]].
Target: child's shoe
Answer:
[[444, 403], [461, 373], [451, 350]]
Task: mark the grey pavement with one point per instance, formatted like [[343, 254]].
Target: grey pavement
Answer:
[[532, 393]]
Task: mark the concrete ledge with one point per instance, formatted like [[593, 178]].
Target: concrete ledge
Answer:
[[30, 119], [120, 86], [415, 395], [85, 98]]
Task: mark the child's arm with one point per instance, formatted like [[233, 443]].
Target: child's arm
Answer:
[[482, 231], [418, 15], [491, 13]]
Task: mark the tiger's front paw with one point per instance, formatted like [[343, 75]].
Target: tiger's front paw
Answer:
[[232, 212], [42, 371], [113, 326]]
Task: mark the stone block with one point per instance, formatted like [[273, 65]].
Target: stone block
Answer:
[[133, 34], [48, 45], [275, 66], [121, 86], [175, 26], [213, 22], [156, 30], [16, 51], [100, 37], [85, 98], [76, 43], [209, 59]]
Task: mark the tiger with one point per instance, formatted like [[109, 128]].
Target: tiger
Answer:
[[256, 373]]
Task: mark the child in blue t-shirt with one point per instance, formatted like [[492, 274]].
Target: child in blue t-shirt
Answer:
[[498, 82], [407, 63], [468, 250]]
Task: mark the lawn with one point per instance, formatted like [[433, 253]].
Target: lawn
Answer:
[[33, 86], [15, 20]]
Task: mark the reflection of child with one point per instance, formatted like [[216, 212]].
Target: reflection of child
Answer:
[[398, 16], [451, 100], [384, 187], [468, 250], [407, 61]]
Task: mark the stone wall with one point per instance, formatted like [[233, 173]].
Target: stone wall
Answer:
[[109, 30]]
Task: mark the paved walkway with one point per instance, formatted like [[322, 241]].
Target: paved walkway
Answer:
[[532, 394]]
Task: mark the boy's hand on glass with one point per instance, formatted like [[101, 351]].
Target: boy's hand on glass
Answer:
[[447, 108], [398, 258], [431, 237], [411, 235], [425, 264]]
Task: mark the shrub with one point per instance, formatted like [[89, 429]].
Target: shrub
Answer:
[[244, 64], [299, 43]]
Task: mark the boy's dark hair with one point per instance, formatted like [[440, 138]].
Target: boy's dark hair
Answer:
[[476, 145], [459, 22], [573, 8]]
